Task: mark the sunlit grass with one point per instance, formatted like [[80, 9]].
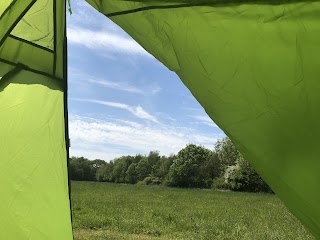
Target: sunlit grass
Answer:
[[103, 211]]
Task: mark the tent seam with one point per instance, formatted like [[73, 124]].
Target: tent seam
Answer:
[[30, 43], [7, 9], [16, 22], [25, 67]]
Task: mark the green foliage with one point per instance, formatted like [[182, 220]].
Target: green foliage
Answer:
[[69, 7], [244, 178], [103, 211], [150, 181], [132, 174], [190, 169], [220, 183], [143, 168], [82, 169], [153, 158], [161, 169], [104, 173], [146, 181], [237, 173], [120, 168], [193, 167], [227, 152]]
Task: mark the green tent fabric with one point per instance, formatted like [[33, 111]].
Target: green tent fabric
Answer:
[[255, 68], [253, 65], [34, 197]]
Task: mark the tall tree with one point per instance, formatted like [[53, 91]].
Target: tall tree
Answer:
[[121, 165], [143, 168], [227, 152], [80, 169], [187, 170], [131, 173], [104, 173]]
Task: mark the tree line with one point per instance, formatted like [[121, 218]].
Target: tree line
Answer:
[[193, 167]]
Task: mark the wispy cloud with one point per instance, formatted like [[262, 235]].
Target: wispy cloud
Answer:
[[103, 138], [104, 41], [193, 109], [83, 78], [117, 85], [138, 111], [156, 90], [121, 86], [85, 15], [86, 151], [204, 119]]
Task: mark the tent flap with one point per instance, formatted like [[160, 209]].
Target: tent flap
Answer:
[[34, 192]]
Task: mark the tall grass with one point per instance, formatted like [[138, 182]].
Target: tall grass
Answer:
[[103, 211]]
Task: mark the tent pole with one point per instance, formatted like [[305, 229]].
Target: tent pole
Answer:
[[66, 116]]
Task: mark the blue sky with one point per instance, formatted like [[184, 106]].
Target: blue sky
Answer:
[[122, 101]]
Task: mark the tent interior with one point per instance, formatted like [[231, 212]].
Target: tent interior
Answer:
[[252, 65]]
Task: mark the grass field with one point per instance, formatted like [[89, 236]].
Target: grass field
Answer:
[[103, 211]]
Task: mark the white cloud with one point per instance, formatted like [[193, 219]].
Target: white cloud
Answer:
[[82, 78], [138, 111], [85, 15], [117, 85], [204, 119], [104, 41], [156, 90], [141, 113], [102, 154], [94, 138], [166, 116]]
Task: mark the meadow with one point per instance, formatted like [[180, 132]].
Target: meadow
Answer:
[[105, 211]]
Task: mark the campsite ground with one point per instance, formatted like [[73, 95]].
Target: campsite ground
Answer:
[[104, 211]]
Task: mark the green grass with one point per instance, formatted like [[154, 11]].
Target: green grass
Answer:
[[103, 211]]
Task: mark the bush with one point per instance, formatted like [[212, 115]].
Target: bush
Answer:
[[242, 177], [146, 181], [219, 183], [150, 181]]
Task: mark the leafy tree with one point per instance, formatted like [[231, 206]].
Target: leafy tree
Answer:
[[143, 168], [193, 166], [153, 157], [187, 170], [97, 163], [227, 152], [210, 169], [120, 167], [138, 158], [238, 173], [104, 172], [161, 169], [80, 169], [131, 174], [243, 177]]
